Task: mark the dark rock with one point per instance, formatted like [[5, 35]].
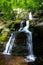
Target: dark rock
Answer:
[[1, 46], [20, 41], [38, 40]]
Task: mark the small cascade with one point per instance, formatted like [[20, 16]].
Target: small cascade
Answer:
[[10, 42], [21, 26], [30, 16], [9, 45], [30, 57]]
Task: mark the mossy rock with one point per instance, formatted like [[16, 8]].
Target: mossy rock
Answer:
[[4, 36], [1, 47]]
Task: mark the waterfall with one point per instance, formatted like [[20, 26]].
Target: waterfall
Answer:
[[30, 57], [9, 45], [10, 42], [30, 15], [21, 25]]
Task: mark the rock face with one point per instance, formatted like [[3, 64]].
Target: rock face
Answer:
[[1, 46], [21, 47], [38, 40]]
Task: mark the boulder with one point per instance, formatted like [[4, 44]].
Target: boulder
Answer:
[[20, 41], [38, 39]]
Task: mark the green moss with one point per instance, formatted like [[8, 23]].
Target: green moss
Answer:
[[4, 36], [17, 21]]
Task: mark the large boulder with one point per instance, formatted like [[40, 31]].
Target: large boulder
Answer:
[[38, 39], [20, 41]]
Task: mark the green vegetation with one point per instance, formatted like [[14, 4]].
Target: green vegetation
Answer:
[[3, 35], [6, 6], [9, 16]]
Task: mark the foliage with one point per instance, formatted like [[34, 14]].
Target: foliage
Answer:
[[32, 4], [3, 37], [6, 6]]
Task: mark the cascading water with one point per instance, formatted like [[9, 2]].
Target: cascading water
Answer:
[[8, 48], [21, 26], [9, 45], [10, 42], [30, 16], [30, 57]]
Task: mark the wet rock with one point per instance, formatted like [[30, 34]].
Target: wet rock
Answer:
[[1, 46], [20, 41], [38, 40]]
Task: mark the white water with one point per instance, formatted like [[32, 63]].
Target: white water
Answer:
[[10, 42], [30, 16], [21, 26], [30, 57], [9, 45]]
